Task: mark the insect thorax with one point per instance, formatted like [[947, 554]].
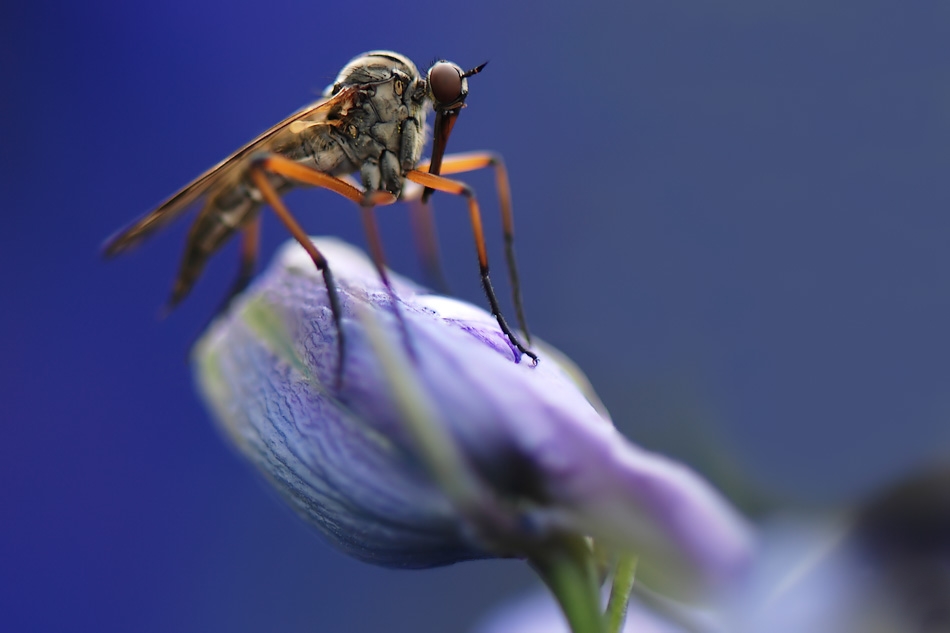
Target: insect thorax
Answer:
[[383, 134]]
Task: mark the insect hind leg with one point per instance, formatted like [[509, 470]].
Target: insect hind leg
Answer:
[[250, 249], [263, 164], [210, 231]]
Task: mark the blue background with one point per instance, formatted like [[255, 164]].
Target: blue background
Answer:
[[734, 216]]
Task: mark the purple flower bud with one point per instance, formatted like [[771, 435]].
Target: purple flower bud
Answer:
[[347, 462]]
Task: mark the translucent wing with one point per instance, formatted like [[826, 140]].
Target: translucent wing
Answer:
[[232, 168]]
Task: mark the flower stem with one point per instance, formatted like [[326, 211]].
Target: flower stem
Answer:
[[566, 566], [620, 592]]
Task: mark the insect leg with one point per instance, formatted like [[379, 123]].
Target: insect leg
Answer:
[[259, 177], [424, 234], [368, 216], [460, 163], [250, 248], [427, 243], [440, 183], [289, 169]]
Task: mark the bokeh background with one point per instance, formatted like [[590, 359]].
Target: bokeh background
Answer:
[[734, 216]]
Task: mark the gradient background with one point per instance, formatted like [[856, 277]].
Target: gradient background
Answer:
[[734, 217]]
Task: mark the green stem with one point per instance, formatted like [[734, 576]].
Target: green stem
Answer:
[[567, 567], [620, 593]]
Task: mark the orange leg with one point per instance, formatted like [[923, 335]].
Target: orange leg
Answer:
[[368, 216], [440, 183], [427, 242], [250, 248], [366, 200], [460, 163], [300, 173]]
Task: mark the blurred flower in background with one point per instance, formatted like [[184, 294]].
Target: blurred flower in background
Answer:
[[531, 444], [882, 568], [905, 533]]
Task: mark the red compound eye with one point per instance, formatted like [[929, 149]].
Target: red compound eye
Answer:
[[445, 81]]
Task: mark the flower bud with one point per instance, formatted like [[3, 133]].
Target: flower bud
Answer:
[[343, 454]]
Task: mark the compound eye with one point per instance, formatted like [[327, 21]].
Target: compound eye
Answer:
[[445, 81]]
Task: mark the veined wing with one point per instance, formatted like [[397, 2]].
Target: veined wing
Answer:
[[322, 112]]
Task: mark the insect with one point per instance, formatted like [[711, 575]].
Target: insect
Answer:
[[370, 121]]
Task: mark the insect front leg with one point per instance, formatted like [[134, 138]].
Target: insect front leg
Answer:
[[440, 183], [461, 163]]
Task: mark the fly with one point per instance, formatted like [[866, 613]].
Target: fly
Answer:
[[370, 121]]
